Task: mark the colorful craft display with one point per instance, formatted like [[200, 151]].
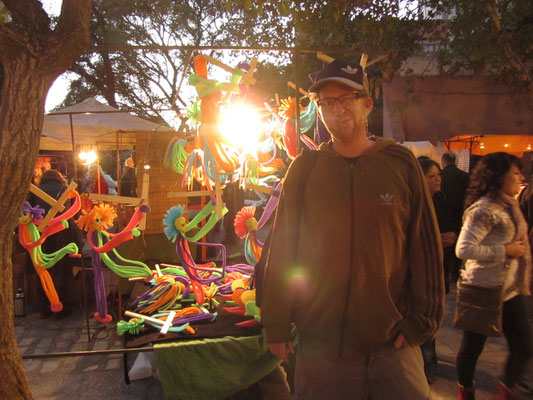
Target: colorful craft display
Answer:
[[173, 321], [245, 227], [214, 160], [176, 227], [244, 300], [31, 239], [211, 150], [96, 222]]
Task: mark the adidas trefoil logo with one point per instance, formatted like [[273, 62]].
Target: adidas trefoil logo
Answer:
[[350, 70], [387, 199]]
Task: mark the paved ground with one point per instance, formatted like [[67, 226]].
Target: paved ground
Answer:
[[101, 377]]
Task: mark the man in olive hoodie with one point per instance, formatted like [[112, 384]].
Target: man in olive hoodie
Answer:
[[355, 261]]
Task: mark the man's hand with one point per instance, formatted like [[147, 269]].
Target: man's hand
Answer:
[[400, 341], [281, 350]]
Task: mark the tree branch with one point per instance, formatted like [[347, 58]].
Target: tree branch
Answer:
[[517, 66], [72, 31], [28, 13]]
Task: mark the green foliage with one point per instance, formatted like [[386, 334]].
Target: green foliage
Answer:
[[372, 27], [147, 80], [473, 41], [133, 326]]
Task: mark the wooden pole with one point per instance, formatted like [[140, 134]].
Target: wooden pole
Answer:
[[57, 206], [144, 197], [297, 75], [118, 163]]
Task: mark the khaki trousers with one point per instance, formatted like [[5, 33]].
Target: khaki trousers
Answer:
[[384, 375]]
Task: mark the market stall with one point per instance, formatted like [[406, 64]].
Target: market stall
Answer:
[[485, 144]]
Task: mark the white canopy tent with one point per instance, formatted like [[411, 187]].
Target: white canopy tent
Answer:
[[93, 124], [425, 148]]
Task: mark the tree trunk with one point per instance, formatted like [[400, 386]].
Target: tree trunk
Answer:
[[20, 145], [32, 56]]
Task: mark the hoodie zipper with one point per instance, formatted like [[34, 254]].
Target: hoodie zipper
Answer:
[[352, 259]]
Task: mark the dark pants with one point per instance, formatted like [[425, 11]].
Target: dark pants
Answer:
[[519, 339]]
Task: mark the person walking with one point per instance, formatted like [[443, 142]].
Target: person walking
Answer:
[[359, 271], [494, 245]]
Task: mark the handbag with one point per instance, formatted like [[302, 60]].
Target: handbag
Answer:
[[479, 309]]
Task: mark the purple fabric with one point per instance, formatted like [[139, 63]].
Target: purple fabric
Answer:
[[219, 246], [242, 268], [36, 213], [157, 289], [270, 206], [184, 253], [194, 318], [99, 288]]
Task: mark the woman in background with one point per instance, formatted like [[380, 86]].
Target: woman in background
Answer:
[[493, 244], [96, 182], [431, 171], [445, 220]]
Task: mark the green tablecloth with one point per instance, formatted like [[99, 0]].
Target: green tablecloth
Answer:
[[211, 369]]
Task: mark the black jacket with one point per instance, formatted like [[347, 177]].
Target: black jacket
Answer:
[[454, 185]]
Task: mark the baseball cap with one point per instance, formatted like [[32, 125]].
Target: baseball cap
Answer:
[[347, 73]]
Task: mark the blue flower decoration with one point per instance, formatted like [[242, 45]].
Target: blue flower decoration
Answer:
[[169, 221]]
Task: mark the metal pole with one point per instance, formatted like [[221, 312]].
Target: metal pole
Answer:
[[73, 148], [112, 48], [88, 353]]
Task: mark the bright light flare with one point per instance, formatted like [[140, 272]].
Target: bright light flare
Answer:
[[241, 126], [88, 157]]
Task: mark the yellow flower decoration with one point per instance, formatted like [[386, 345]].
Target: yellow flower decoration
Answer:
[[99, 218], [287, 109]]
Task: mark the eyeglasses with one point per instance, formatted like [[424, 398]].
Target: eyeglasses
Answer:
[[345, 100]]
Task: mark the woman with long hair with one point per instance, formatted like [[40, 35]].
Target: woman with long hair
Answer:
[[494, 246]]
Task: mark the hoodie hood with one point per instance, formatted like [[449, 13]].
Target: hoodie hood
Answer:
[[379, 145]]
